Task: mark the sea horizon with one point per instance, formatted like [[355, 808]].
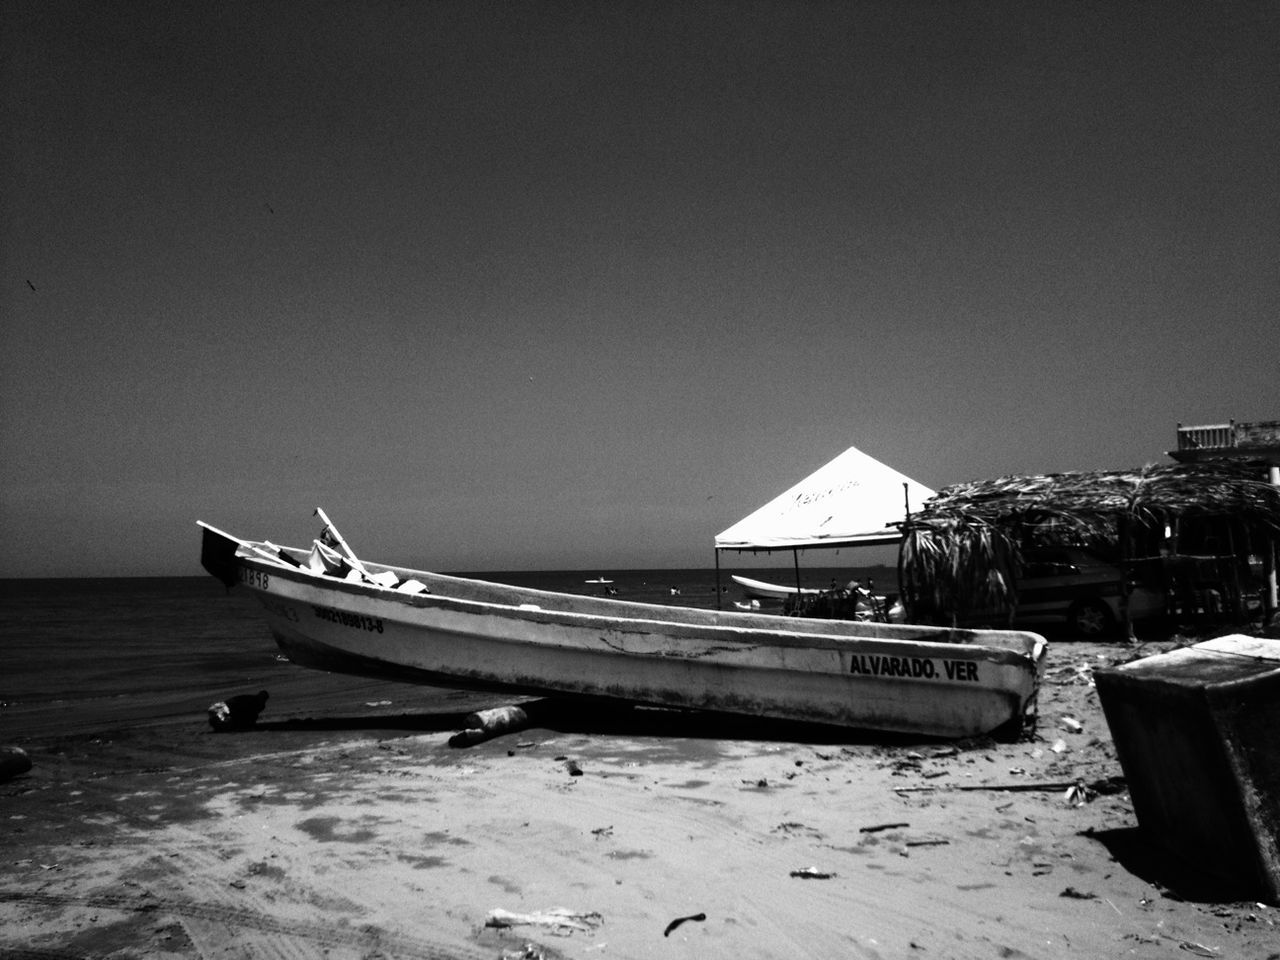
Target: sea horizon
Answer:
[[773, 572]]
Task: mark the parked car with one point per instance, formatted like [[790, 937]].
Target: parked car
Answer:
[[1075, 588]]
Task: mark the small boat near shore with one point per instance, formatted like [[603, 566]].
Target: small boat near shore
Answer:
[[763, 590], [330, 610]]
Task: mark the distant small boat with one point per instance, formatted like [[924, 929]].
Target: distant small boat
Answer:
[[761, 590], [598, 580], [330, 610]]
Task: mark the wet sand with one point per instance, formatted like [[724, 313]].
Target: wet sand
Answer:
[[346, 826]]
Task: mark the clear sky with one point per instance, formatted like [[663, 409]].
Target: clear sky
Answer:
[[546, 285]]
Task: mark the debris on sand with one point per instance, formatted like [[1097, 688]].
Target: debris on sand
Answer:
[[679, 920], [13, 762], [487, 724], [239, 712], [1073, 894], [558, 920]]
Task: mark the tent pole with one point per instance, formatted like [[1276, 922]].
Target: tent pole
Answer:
[[795, 559], [718, 578]]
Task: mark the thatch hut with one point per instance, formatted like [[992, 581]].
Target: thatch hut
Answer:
[[1171, 523]]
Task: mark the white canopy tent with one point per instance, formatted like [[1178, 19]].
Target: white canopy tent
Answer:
[[855, 500]]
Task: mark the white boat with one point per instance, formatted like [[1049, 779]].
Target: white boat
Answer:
[[330, 610], [762, 590]]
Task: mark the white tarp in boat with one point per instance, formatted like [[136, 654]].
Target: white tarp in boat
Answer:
[[854, 500]]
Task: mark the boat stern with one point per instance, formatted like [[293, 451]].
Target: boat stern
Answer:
[[218, 554]]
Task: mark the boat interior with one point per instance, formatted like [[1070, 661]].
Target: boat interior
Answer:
[[339, 563]]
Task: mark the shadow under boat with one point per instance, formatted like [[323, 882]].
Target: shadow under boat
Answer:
[[407, 722], [608, 717]]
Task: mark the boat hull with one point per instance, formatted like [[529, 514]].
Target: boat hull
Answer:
[[467, 633], [762, 590]]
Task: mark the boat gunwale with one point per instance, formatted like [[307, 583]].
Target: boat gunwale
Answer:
[[956, 643]]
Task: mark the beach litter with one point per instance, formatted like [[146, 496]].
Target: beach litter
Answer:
[[1080, 673], [526, 951], [239, 712], [13, 762], [679, 920], [1072, 893], [558, 920], [571, 766], [812, 873]]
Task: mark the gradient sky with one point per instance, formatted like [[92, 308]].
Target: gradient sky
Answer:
[[548, 285]]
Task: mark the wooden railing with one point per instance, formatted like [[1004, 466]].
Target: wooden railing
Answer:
[[1212, 437]]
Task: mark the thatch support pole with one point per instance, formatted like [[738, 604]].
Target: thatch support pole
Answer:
[[1269, 574], [904, 595], [1271, 601], [1237, 589], [1126, 621]]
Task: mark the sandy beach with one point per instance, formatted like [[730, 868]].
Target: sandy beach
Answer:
[[346, 826]]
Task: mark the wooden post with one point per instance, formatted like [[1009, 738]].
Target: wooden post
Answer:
[[1125, 620], [1269, 559], [1237, 589], [902, 580]]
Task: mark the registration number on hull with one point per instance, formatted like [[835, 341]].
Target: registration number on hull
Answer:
[[254, 578], [356, 621]]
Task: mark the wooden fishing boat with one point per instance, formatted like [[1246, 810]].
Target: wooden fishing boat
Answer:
[[330, 610]]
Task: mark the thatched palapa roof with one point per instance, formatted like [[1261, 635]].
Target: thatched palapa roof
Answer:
[[960, 551]]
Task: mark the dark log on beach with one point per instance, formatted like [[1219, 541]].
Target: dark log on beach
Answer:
[[13, 762], [485, 724]]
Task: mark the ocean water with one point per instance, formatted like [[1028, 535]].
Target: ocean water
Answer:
[[85, 655]]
